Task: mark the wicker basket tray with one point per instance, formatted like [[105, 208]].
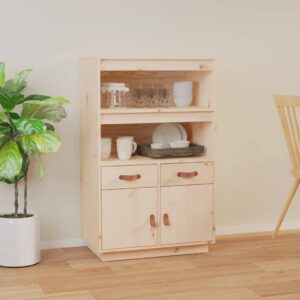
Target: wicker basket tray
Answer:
[[146, 150]]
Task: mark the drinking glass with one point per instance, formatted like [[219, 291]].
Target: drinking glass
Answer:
[[137, 95], [163, 95], [150, 95]]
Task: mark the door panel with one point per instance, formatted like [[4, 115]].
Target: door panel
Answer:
[[129, 218], [186, 214]]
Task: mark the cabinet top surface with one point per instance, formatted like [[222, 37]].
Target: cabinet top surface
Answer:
[[152, 58]]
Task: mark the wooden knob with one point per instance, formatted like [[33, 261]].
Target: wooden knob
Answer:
[[152, 221], [187, 174], [130, 177], [166, 219]]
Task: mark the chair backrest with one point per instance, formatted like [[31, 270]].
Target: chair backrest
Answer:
[[287, 110]]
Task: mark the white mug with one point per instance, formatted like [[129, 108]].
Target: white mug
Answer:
[[105, 148], [125, 147]]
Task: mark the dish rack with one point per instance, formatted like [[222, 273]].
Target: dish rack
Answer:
[[146, 150]]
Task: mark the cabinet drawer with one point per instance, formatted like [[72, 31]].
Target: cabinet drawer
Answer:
[[129, 177], [186, 173]]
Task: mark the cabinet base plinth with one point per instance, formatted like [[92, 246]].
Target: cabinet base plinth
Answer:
[[155, 252]]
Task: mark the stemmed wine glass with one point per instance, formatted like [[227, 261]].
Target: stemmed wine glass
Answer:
[[150, 95], [137, 95], [163, 95]]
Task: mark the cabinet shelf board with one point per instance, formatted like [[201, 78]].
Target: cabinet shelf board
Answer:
[[156, 115], [143, 160]]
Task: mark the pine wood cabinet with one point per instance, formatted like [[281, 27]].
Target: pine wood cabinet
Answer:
[[166, 208]]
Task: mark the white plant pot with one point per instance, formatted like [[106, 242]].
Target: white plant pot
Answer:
[[19, 241]]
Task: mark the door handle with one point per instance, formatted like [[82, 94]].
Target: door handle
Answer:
[[166, 219], [152, 221], [130, 177], [187, 174]]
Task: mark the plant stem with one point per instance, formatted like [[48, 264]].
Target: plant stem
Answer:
[[16, 197], [25, 194]]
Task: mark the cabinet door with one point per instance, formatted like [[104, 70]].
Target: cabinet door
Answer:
[[187, 214], [129, 218]]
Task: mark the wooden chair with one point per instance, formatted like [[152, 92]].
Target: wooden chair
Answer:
[[286, 107]]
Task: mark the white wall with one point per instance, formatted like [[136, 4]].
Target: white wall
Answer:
[[257, 45]]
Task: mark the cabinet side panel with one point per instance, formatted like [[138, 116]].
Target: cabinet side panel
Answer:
[[89, 155]]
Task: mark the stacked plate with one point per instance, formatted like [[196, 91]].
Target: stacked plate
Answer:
[[169, 135]]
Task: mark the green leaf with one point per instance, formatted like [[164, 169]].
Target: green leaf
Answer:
[[10, 160], [3, 117], [50, 127], [19, 81], [3, 140], [4, 130], [50, 109], [8, 100], [29, 145], [41, 168], [43, 143], [2, 74], [29, 127], [56, 101], [14, 115], [24, 169], [36, 97], [48, 142]]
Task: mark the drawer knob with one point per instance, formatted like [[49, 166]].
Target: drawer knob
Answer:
[[130, 177], [187, 174], [166, 220], [152, 221]]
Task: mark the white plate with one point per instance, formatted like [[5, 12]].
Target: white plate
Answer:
[[166, 133], [182, 131]]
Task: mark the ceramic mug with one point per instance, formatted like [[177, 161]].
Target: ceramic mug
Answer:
[[125, 147], [105, 148]]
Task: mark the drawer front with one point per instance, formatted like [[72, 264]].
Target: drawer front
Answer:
[[186, 173], [129, 177]]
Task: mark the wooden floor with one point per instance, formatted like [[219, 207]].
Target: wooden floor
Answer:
[[237, 268]]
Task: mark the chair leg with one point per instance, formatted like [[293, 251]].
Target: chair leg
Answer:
[[286, 207]]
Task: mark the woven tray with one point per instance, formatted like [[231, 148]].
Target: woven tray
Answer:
[[146, 150]]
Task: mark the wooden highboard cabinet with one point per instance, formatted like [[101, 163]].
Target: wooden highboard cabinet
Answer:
[[169, 208]]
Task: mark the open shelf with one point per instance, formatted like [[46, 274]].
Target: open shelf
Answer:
[[156, 115], [143, 160]]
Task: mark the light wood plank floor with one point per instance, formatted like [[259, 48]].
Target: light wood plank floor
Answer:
[[237, 268]]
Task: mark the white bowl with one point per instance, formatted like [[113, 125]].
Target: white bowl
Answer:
[[182, 84], [157, 146], [183, 93], [180, 144]]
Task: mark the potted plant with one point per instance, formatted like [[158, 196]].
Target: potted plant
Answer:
[[25, 131]]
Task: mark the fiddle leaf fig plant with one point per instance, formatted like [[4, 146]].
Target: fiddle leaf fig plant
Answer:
[[25, 131]]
